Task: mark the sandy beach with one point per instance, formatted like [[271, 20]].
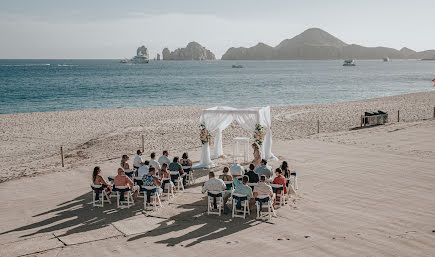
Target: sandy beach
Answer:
[[363, 192]]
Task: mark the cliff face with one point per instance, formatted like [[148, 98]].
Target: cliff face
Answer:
[[316, 44], [193, 51]]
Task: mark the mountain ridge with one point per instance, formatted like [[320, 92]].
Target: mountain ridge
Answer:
[[317, 44]]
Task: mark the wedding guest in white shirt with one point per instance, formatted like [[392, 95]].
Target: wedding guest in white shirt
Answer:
[[164, 158], [138, 160], [154, 163]]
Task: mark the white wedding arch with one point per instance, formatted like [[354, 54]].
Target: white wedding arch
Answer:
[[216, 119]]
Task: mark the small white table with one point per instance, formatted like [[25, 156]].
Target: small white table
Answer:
[[240, 143]]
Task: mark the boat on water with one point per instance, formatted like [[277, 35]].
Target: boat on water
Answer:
[[142, 56], [349, 62], [237, 66], [125, 60], [386, 59]]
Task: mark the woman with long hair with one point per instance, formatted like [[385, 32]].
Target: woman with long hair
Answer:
[[257, 155], [124, 163], [97, 179]]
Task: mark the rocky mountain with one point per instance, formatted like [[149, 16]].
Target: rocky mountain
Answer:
[[193, 51], [317, 44]]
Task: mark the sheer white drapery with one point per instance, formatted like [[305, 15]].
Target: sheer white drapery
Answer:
[[216, 119]]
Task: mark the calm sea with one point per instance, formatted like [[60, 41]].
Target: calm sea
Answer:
[[55, 85]]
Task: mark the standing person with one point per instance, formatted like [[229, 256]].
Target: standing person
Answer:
[[264, 169], [164, 158], [122, 180], [138, 160], [154, 163], [144, 169], [257, 155], [253, 177]]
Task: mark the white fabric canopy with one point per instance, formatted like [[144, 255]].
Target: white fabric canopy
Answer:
[[216, 119]]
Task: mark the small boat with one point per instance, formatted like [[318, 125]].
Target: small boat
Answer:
[[386, 59], [349, 62], [125, 60], [237, 66]]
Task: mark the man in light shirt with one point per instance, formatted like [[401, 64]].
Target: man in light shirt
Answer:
[[264, 170], [143, 169], [154, 163], [213, 184], [262, 188], [138, 160], [237, 170], [164, 158]]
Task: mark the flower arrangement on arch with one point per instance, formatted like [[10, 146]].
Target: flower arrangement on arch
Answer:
[[204, 135], [259, 134]]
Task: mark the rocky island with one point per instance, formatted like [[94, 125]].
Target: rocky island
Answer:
[[193, 51], [317, 44]]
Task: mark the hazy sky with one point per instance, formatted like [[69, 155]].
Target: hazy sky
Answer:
[[115, 28]]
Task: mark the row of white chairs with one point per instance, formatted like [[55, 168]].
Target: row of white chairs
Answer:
[[153, 203], [215, 203]]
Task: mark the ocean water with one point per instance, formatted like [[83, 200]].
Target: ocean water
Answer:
[[55, 85]]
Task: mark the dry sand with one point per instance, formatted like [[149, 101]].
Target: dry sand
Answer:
[[30, 142], [366, 192]]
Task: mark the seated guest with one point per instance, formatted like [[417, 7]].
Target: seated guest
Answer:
[[143, 169], [154, 163], [176, 166], [164, 173], [279, 179], [151, 179], [253, 177], [213, 184], [237, 170], [138, 160], [262, 188], [242, 187], [164, 158], [264, 170], [97, 179], [185, 161], [122, 180], [124, 163], [286, 170], [226, 177]]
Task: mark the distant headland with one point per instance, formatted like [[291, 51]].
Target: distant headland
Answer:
[[317, 44], [193, 51]]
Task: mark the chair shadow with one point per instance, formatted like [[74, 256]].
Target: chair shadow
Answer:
[[78, 215], [210, 227]]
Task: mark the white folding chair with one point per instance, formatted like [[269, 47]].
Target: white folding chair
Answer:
[[244, 206], [190, 178], [168, 187], [102, 195], [295, 179], [281, 195], [154, 198], [178, 180], [215, 197], [128, 196], [264, 201]]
